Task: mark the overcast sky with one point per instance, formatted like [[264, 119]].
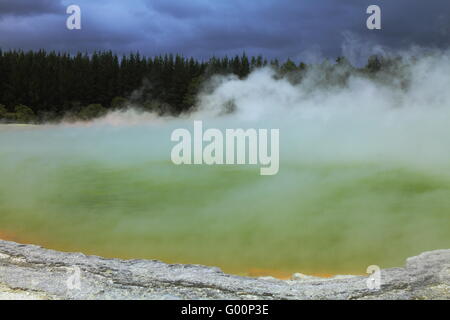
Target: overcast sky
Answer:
[[300, 29]]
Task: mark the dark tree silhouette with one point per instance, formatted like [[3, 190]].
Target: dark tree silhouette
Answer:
[[41, 86]]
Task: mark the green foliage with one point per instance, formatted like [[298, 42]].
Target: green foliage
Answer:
[[302, 66], [56, 85], [92, 111], [119, 103], [151, 106], [374, 64], [190, 98], [24, 114], [156, 106], [3, 111], [288, 66]]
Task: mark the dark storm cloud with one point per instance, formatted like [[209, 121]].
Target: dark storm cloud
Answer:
[[29, 7], [282, 28]]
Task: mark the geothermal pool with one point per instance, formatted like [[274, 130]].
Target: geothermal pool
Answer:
[[113, 191], [364, 178]]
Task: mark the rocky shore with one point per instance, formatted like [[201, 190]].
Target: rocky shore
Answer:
[[31, 272]]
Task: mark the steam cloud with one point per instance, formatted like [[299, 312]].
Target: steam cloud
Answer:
[[364, 174]]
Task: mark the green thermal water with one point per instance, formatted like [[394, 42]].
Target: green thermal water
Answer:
[[114, 192]]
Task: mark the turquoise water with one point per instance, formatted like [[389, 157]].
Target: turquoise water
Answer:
[[113, 191]]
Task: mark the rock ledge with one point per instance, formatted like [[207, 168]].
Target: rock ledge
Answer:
[[31, 272]]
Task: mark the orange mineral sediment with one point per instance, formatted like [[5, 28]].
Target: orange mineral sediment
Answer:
[[6, 236], [11, 236], [251, 272]]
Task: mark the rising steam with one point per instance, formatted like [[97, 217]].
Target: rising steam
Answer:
[[364, 174]]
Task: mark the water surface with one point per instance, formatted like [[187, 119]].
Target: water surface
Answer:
[[113, 191]]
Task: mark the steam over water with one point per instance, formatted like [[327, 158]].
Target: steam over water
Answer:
[[364, 176]]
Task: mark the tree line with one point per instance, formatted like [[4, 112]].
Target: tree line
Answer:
[[37, 86]]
